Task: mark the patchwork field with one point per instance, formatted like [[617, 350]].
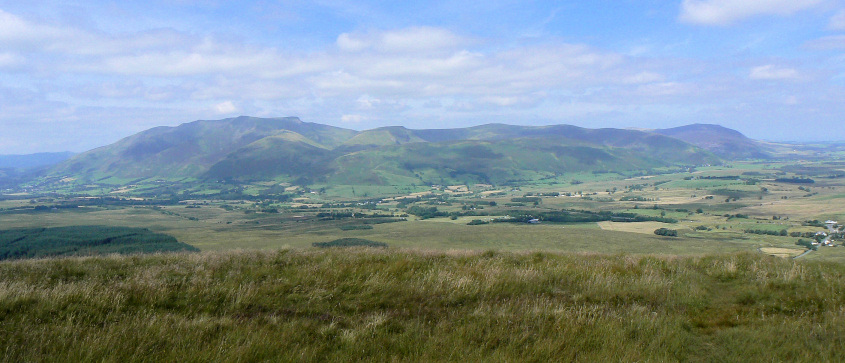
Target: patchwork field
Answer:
[[635, 227]]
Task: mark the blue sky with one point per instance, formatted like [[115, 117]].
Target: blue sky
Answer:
[[75, 75]]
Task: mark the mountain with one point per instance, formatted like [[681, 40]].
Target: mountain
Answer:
[[722, 141], [264, 149], [29, 161]]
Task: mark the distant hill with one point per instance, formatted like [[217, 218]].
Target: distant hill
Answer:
[[722, 141], [29, 161], [261, 149]]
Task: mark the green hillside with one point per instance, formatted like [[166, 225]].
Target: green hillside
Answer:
[[256, 149], [503, 161], [286, 153]]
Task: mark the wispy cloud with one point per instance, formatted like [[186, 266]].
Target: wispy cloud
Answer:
[[837, 22], [827, 43], [771, 72], [726, 12], [16, 31]]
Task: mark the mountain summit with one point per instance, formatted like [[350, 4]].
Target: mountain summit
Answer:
[[722, 141]]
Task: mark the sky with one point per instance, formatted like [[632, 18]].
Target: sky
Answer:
[[75, 75]]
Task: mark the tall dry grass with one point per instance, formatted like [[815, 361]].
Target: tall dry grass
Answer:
[[402, 305]]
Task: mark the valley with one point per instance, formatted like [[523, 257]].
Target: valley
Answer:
[[714, 209]]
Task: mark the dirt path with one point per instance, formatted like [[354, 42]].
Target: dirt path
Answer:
[[802, 255]]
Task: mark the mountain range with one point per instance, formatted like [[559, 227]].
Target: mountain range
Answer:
[[30, 161], [288, 149]]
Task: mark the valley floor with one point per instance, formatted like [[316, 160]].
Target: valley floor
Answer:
[[420, 305]]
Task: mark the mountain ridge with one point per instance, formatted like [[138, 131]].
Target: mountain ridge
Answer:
[[249, 149]]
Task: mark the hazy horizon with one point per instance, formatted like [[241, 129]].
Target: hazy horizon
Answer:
[[358, 129], [74, 77]]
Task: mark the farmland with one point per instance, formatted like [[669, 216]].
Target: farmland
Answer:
[[712, 208]]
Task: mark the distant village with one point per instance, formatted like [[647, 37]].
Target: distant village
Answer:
[[826, 238]]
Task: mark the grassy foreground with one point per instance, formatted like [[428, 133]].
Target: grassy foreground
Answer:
[[390, 305]]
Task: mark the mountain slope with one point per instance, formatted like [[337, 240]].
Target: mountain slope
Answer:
[[285, 153], [189, 150], [722, 141]]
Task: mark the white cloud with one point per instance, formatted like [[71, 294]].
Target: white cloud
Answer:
[[407, 40], [725, 12], [837, 22], [771, 72], [226, 107]]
